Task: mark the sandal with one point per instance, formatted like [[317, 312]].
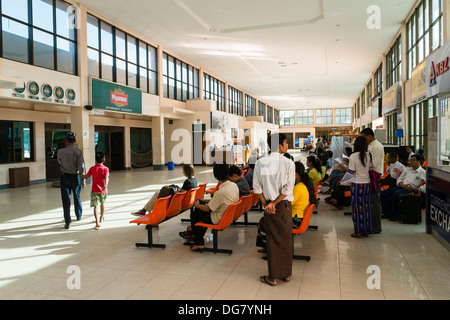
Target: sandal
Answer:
[[262, 250], [196, 248], [286, 279], [266, 280], [356, 235]]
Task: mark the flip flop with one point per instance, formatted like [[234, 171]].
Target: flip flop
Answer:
[[266, 280]]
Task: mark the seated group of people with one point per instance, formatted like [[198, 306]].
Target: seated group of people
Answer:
[[399, 180], [232, 186]]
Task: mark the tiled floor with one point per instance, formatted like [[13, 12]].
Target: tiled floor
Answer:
[[37, 253]]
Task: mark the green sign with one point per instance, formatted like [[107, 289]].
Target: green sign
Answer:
[[115, 97]]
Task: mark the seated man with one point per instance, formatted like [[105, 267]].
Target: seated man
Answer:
[[211, 211], [394, 170], [236, 177], [409, 181], [249, 175]]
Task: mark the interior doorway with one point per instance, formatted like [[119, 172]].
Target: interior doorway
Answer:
[[110, 141]]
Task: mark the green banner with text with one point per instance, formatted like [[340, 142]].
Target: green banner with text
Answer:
[[115, 97]]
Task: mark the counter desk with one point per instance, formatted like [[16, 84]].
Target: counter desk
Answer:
[[438, 204]]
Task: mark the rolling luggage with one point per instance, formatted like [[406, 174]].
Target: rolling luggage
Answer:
[[410, 209]]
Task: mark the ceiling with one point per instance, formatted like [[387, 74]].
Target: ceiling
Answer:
[[290, 54]]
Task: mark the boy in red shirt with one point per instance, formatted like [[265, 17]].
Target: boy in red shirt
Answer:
[[99, 191]]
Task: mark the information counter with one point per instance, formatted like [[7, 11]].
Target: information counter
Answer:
[[438, 204]]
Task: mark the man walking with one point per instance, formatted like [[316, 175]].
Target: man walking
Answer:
[[376, 149], [273, 181], [71, 163]]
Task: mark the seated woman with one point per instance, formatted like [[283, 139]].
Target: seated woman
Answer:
[[189, 183], [315, 169], [211, 211], [303, 197]]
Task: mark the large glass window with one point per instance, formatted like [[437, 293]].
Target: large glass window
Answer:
[[262, 110], [235, 101], [324, 116], [38, 32], [378, 82], [180, 80], [213, 89], [287, 118], [16, 142], [343, 116], [114, 55], [424, 32], [305, 117], [269, 114], [394, 63], [250, 106], [276, 117]]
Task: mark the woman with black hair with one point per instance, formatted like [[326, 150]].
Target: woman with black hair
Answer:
[[303, 195], [359, 165], [315, 169]]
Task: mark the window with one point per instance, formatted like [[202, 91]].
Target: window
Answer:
[[305, 117], [235, 101], [116, 56], [287, 118], [262, 110], [269, 114], [46, 40], [324, 116], [276, 117], [343, 116], [16, 142], [424, 32], [393, 64], [214, 89], [180, 80], [250, 106], [378, 82]]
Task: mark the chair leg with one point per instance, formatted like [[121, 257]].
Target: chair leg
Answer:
[[313, 227], [298, 257], [188, 220], [245, 223], [215, 248], [150, 243]]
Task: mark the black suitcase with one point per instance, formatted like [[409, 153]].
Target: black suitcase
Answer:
[[410, 209]]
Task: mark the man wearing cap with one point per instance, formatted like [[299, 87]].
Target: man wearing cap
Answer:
[[71, 163]]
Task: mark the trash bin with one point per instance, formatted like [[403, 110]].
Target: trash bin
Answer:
[[171, 165]]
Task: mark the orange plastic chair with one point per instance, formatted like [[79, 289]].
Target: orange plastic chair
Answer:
[[303, 227], [240, 208], [201, 191], [249, 201], [425, 164], [174, 207], [226, 220], [157, 215], [213, 190], [189, 199]]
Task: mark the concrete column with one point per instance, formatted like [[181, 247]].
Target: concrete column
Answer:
[[158, 145]]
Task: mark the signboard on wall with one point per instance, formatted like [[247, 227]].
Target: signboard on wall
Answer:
[[115, 97], [437, 71], [392, 98], [418, 82]]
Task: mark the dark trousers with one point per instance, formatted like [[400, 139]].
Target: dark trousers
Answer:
[[199, 232], [71, 183], [389, 200]]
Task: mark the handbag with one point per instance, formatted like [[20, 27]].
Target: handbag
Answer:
[[375, 179]]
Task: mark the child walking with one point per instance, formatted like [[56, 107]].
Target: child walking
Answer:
[[99, 191]]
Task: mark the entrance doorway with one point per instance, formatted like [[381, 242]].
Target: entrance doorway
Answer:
[[109, 140]]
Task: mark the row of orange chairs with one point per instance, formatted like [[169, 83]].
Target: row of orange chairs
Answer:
[[167, 208]]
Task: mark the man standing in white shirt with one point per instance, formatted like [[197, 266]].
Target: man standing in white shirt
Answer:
[[273, 181], [376, 149], [409, 181]]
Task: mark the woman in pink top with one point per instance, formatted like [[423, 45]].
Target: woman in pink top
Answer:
[[99, 191]]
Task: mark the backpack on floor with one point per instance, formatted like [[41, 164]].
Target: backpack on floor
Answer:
[[410, 209]]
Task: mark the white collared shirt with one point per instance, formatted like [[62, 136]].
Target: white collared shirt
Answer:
[[376, 149], [413, 177], [274, 175]]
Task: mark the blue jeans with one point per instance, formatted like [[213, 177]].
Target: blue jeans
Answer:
[[71, 183], [389, 200]]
